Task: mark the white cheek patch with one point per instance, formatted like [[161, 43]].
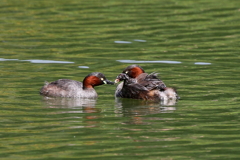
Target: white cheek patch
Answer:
[[104, 82]]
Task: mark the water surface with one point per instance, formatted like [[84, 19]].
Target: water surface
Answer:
[[194, 46]]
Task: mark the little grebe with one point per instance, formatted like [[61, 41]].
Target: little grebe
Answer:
[[72, 88], [139, 85]]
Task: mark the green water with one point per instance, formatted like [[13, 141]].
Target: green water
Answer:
[[203, 124]]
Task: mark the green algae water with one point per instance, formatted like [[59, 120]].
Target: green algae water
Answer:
[[193, 45]]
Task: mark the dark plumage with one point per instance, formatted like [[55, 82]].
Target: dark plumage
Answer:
[[139, 85]]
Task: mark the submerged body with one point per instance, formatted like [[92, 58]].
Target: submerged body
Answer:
[[139, 85], [72, 88]]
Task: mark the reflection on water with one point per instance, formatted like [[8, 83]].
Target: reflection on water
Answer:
[[36, 61], [137, 109], [128, 42], [202, 63], [140, 40], [84, 108], [83, 67], [124, 42], [131, 106], [134, 61], [167, 62], [3, 59], [69, 102], [46, 61]]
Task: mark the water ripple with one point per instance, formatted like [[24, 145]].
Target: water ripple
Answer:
[[140, 40], [37, 61], [3, 59], [83, 67], [124, 42], [134, 61], [202, 63], [46, 61]]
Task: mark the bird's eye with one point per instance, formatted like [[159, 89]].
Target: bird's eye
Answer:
[[126, 72], [101, 79]]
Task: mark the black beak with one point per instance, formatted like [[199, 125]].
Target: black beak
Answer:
[[122, 76], [108, 82]]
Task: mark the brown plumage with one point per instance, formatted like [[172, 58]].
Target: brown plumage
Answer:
[[139, 85]]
